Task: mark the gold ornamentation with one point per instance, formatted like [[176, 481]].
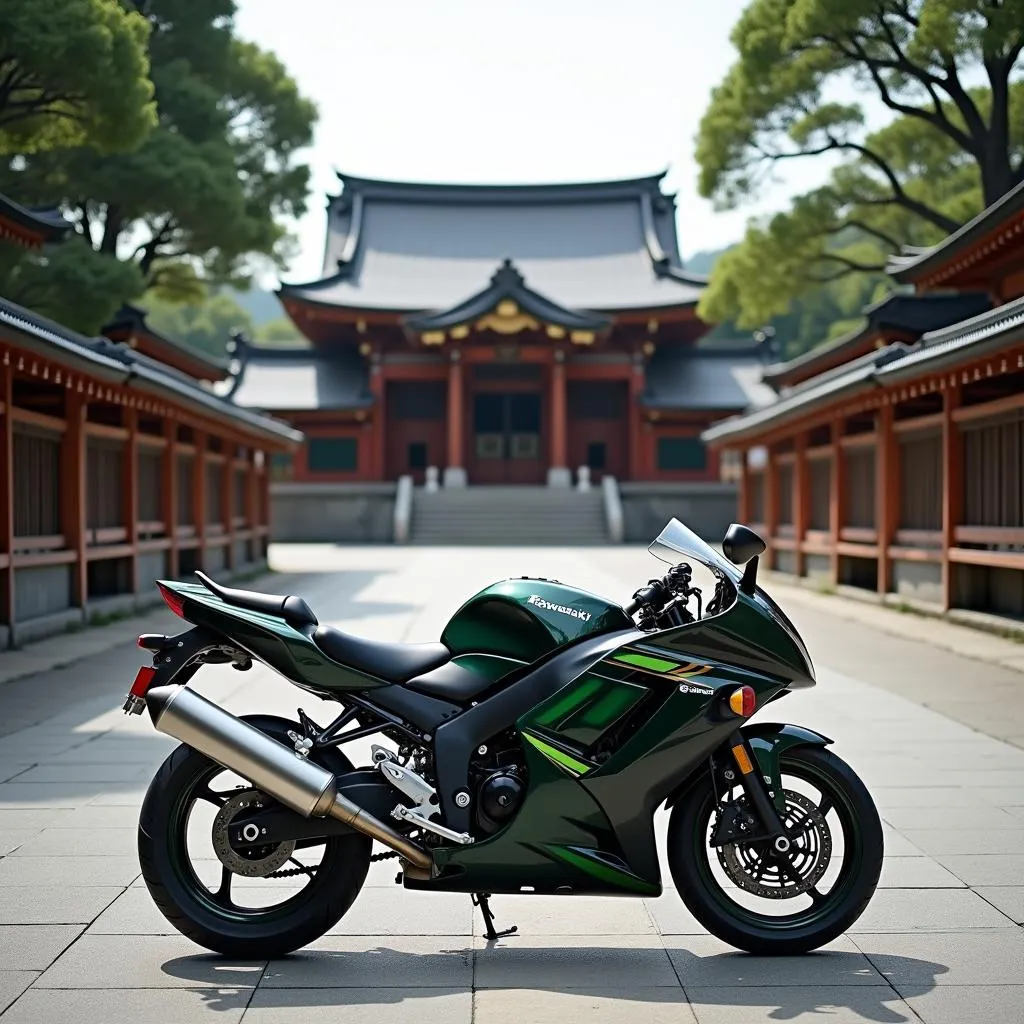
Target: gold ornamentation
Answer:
[[507, 309], [582, 337], [507, 324], [648, 348], [365, 349], [460, 332], [433, 337], [556, 332], [361, 326], [652, 326]]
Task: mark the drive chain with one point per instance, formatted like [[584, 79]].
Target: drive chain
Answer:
[[291, 872]]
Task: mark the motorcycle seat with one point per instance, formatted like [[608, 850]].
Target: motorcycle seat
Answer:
[[293, 610], [397, 663]]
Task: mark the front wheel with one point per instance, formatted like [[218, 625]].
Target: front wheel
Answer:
[[770, 903]]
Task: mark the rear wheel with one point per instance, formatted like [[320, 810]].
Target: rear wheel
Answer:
[[254, 903], [765, 901]]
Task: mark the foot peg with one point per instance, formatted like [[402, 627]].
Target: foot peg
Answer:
[[481, 900]]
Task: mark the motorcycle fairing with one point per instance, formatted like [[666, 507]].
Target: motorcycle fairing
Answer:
[[770, 740]]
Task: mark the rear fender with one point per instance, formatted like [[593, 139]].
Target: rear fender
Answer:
[[769, 741]]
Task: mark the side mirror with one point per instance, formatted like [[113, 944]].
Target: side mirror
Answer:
[[741, 544]]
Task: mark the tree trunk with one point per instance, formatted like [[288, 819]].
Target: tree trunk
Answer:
[[111, 229]]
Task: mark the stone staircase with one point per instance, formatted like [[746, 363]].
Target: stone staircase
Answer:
[[508, 515]]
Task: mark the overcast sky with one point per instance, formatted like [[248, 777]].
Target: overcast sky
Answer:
[[474, 91]]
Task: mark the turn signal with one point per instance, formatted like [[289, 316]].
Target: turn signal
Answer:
[[743, 701]]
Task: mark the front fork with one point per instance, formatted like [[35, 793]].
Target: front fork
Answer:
[[762, 801]]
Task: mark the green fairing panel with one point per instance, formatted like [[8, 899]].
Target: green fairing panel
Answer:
[[524, 619], [272, 641], [559, 840]]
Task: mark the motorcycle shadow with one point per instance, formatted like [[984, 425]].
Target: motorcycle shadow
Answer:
[[772, 988]]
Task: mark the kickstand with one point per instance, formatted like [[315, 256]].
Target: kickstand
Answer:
[[480, 899]]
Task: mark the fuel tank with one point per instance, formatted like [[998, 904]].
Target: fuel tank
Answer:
[[523, 619]]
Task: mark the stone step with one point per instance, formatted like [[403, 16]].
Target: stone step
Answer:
[[508, 515]]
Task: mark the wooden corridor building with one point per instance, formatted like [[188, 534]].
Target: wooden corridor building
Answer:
[[118, 465], [893, 458]]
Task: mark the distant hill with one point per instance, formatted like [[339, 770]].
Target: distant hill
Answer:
[[702, 262], [262, 306]]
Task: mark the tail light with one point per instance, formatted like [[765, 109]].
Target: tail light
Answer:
[[173, 601], [742, 702]]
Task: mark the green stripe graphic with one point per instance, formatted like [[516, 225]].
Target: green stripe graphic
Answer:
[[563, 760]]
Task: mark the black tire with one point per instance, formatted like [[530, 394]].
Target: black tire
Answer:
[[187, 904], [800, 932]]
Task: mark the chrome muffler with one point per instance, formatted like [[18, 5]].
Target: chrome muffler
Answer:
[[270, 766]]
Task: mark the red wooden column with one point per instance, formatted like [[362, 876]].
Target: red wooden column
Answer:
[[771, 502], [227, 502], [801, 499], [130, 494], [199, 494], [952, 487], [455, 470], [558, 472], [637, 467], [837, 491], [744, 502], [252, 504], [7, 491], [74, 495], [169, 494], [378, 388], [886, 494]]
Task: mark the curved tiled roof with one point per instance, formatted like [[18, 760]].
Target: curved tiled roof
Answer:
[[406, 248]]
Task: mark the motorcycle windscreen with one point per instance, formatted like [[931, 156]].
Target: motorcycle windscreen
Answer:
[[677, 542]]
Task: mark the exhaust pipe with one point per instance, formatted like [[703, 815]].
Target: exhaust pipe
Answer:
[[272, 767]]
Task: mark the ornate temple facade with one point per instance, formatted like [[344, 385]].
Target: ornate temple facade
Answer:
[[503, 334]]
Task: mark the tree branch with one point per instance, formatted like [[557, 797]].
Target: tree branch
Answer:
[[855, 266], [859, 225]]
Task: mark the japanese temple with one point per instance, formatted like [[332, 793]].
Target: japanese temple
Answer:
[[892, 459], [502, 334], [118, 463]]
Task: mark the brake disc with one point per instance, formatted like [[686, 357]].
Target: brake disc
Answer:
[[757, 869], [252, 861]]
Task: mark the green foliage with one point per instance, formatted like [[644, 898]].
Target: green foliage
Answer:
[[72, 71], [70, 283], [206, 325], [202, 197], [279, 332], [949, 151]]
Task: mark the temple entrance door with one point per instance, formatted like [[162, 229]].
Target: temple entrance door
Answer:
[[507, 446]]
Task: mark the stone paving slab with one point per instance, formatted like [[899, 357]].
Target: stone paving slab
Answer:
[[940, 942], [362, 1006]]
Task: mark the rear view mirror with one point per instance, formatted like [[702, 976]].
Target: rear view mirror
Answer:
[[741, 544]]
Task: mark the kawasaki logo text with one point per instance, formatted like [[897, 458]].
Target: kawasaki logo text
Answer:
[[536, 599]]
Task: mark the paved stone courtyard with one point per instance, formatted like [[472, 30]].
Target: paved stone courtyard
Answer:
[[941, 942]]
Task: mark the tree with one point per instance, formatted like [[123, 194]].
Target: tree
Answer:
[[206, 325], [951, 149], [279, 332], [73, 71], [204, 193], [69, 282]]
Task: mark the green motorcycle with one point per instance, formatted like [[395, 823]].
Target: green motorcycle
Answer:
[[527, 752]]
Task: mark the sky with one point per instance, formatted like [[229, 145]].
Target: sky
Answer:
[[523, 91]]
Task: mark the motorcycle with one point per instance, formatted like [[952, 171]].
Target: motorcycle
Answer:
[[529, 751]]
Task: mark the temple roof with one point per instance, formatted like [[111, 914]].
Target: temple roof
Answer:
[[30, 227], [907, 315], [406, 248], [705, 379], [915, 262], [129, 325], [507, 286], [937, 350], [299, 379], [117, 363]]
